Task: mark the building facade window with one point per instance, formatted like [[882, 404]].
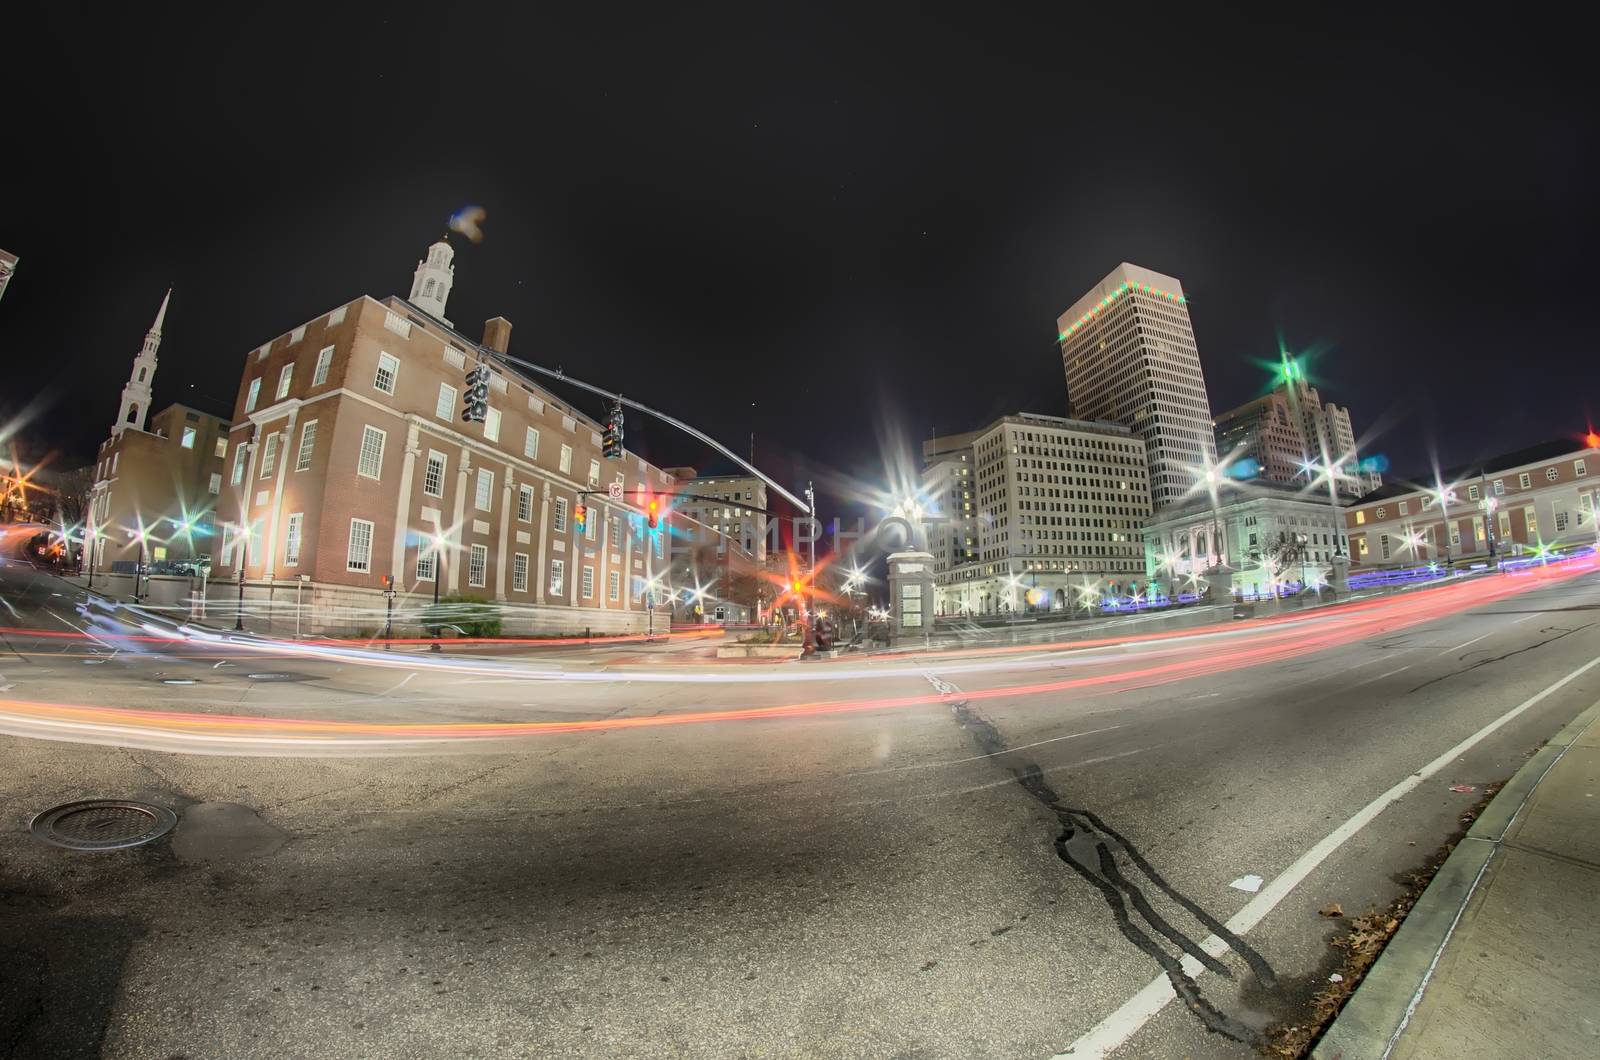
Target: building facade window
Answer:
[[616, 531], [530, 444], [445, 409], [238, 463], [426, 559], [388, 372], [1403, 508], [566, 460], [252, 395], [358, 553], [370, 462], [478, 566], [285, 377], [519, 572], [1579, 469], [308, 446], [1472, 493], [433, 475], [269, 455], [484, 495], [491, 425], [524, 503], [216, 482], [558, 575], [1499, 487], [614, 585], [594, 473], [319, 375], [222, 448], [1524, 480], [1561, 522], [188, 438], [561, 515], [588, 582], [291, 540]]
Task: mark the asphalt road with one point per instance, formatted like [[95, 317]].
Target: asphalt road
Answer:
[[556, 853]]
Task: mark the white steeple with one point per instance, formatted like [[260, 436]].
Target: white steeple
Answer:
[[136, 391], [431, 285]]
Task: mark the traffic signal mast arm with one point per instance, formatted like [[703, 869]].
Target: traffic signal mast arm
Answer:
[[671, 421]]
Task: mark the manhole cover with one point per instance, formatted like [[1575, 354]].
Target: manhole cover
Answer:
[[103, 824]]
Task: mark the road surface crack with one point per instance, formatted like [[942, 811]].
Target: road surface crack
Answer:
[[1090, 848], [1498, 658]]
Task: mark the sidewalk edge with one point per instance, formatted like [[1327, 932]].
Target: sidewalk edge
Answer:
[[1370, 1022]]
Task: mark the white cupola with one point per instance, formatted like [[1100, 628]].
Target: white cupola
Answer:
[[431, 286]]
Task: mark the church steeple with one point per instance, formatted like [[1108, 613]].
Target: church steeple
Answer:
[[431, 285], [136, 391]]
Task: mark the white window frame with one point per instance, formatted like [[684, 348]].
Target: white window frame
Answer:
[[187, 438], [253, 394], [491, 424], [215, 486], [427, 559], [594, 473], [616, 529], [519, 572], [1579, 468], [1499, 487], [222, 448], [308, 446], [285, 381], [560, 522], [350, 563], [614, 585], [319, 374], [1472, 493], [565, 467], [368, 430], [1525, 480], [483, 490], [586, 582], [589, 526], [390, 364], [524, 503], [478, 566], [530, 444], [558, 577], [269, 455], [291, 539], [427, 470], [445, 409], [239, 454]]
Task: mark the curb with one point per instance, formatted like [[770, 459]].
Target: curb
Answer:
[[1371, 1022]]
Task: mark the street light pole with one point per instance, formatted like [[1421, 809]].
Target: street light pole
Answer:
[[238, 622]]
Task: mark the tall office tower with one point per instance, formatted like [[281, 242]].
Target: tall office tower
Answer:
[[1130, 358]]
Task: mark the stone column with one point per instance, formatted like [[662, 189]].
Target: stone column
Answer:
[[505, 533], [463, 484], [544, 540], [271, 543], [402, 508]]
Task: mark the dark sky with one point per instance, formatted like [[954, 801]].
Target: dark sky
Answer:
[[856, 219]]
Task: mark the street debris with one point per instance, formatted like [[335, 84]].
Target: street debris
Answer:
[[1464, 789], [1251, 883], [1332, 909], [1335, 978]]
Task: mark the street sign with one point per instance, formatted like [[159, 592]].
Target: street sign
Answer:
[[614, 491]]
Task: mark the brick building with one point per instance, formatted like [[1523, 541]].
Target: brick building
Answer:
[[349, 462], [155, 489], [1542, 496]]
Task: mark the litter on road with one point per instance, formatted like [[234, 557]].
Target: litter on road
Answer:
[[1251, 883]]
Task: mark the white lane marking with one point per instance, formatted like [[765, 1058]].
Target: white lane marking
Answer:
[[399, 686], [1525, 618], [1380, 677], [1111, 1032], [1465, 644]]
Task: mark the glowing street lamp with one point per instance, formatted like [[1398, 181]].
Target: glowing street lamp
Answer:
[[438, 541]]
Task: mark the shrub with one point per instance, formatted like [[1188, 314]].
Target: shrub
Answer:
[[467, 615]]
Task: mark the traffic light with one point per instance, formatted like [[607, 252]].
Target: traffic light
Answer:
[[653, 513], [581, 517], [475, 403], [612, 439]]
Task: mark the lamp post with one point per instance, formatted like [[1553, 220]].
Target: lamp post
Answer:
[[388, 610], [238, 622], [138, 570], [267, 577], [1444, 505], [92, 537], [1490, 505], [299, 584]]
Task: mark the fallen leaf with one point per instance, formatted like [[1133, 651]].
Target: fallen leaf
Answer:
[[1332, 909]]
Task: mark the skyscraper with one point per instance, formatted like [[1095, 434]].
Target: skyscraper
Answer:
[[1130, 357]]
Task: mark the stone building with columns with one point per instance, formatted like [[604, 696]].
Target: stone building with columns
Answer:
[[349, 463], [1185, 540]]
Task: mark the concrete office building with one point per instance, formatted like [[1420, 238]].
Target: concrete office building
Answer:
[[1059, 506], [718, 546], [156, 488], [1130, 358], [1543, 496], [1281, 432], [349, 462]]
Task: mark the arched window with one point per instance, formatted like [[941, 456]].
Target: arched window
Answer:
[[141, 375], [133, 414]]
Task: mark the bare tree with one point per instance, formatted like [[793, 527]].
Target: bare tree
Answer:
[[1285, 551], [72, 489]]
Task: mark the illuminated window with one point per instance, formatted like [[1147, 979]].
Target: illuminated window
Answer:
[[369, 464], [433, 476], [388, 372], [285, 377], [188, 438], [445, 409], [491, 425], [484, 494], [558, 573], [359, 550], [560, 521], [524, 503], [291, 541], [319, 375], [252, 395], [308, 446], [269, 455], [1361, 517]]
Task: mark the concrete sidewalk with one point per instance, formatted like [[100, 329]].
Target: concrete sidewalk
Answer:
[[1501, 955]]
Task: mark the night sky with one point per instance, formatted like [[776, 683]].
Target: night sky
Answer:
[[826, 227]]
